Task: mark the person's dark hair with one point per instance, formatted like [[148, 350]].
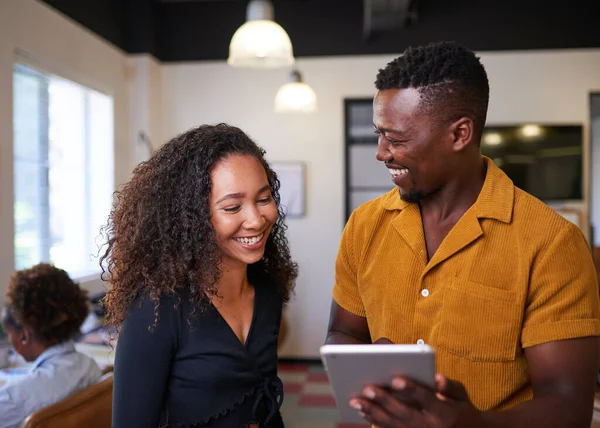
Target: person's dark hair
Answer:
[[46, 301], [450, 78], [160, 237]]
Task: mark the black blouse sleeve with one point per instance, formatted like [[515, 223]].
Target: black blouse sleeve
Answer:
[[142, 364]]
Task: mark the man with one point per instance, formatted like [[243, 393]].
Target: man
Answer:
[[456, 257]]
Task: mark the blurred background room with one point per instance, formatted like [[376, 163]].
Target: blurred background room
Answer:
[[88, 89]]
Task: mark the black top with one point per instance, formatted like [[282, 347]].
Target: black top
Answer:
[[190, 372]]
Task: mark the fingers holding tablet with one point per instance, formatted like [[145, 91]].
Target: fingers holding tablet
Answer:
[[404, 400], [409, 404]]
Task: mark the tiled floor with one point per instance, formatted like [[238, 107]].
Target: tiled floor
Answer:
[[308, 400]]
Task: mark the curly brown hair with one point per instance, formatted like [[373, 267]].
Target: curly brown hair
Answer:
[[45, 300], [160, 239]]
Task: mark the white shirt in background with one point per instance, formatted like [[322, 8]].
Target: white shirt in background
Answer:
[[58, 372]]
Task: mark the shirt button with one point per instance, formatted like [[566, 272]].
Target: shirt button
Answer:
[[420, 342], [424, 292]]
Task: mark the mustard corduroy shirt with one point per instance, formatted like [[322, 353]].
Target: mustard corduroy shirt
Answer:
[[512, 273]]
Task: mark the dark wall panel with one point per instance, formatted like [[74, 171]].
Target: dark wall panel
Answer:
[[198, 30], [140, 26], [201, 30], [104, 17]]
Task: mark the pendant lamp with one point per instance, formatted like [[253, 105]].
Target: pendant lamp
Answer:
[[295, 96], [260, 42]]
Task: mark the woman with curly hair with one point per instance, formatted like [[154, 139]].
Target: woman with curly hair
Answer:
[[43, 312], [199, 270]]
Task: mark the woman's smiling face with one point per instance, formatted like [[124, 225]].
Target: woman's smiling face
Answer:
[[242, 209]]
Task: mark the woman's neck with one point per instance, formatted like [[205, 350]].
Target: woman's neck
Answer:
[[233, 282]]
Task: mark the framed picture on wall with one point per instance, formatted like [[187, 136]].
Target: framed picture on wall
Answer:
[[292, 176]]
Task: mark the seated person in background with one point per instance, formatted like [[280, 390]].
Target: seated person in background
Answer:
[[43, 311]]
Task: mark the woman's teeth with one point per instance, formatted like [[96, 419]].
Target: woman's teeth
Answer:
[[250, 241]]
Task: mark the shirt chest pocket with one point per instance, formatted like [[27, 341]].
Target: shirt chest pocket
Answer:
[[480, 323]]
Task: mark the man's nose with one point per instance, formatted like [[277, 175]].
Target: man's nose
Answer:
[[383, 153]]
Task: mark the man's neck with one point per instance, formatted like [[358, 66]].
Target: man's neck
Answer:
[[457, 196]]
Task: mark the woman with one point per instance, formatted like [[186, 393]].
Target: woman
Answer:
[[199, 269], [43, 312]]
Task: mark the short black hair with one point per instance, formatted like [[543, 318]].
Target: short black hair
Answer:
[[450, 78], [47, 301]]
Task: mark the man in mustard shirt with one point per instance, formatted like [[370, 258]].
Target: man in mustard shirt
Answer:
[[459, 258]]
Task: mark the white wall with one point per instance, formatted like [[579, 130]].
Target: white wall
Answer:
[[145, 105], [33, 30], [549, 86]]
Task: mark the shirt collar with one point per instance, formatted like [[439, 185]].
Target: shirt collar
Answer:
[[495, 200], [53, 351]]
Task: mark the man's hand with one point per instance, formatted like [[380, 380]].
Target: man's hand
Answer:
[[408, 404]]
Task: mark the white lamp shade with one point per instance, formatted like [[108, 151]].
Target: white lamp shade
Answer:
[[295, 97], [260, 44]]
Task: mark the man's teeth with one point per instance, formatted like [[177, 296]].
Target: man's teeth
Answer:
[[250, 241], [396, 172]]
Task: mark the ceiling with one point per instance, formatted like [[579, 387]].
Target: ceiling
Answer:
[[191, 30]]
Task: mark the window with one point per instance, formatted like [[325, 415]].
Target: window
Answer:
[[63, 170], [366, 178]]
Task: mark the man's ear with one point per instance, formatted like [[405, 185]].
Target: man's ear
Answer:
[[462, 133]]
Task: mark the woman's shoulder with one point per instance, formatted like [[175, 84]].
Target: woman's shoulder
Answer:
[[164, 303], [151, 310]]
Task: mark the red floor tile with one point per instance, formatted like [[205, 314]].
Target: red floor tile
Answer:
[[317, 377], [290, 367], [317, 401], [293, 387]]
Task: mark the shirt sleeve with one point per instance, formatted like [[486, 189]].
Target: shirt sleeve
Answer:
[[12, 409], [563, 300], [142, 364], [345, 288]]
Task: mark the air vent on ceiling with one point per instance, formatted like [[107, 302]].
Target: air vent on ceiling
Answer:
[[386, 15]]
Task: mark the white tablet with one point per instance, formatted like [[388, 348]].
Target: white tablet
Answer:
[[351, 367]]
